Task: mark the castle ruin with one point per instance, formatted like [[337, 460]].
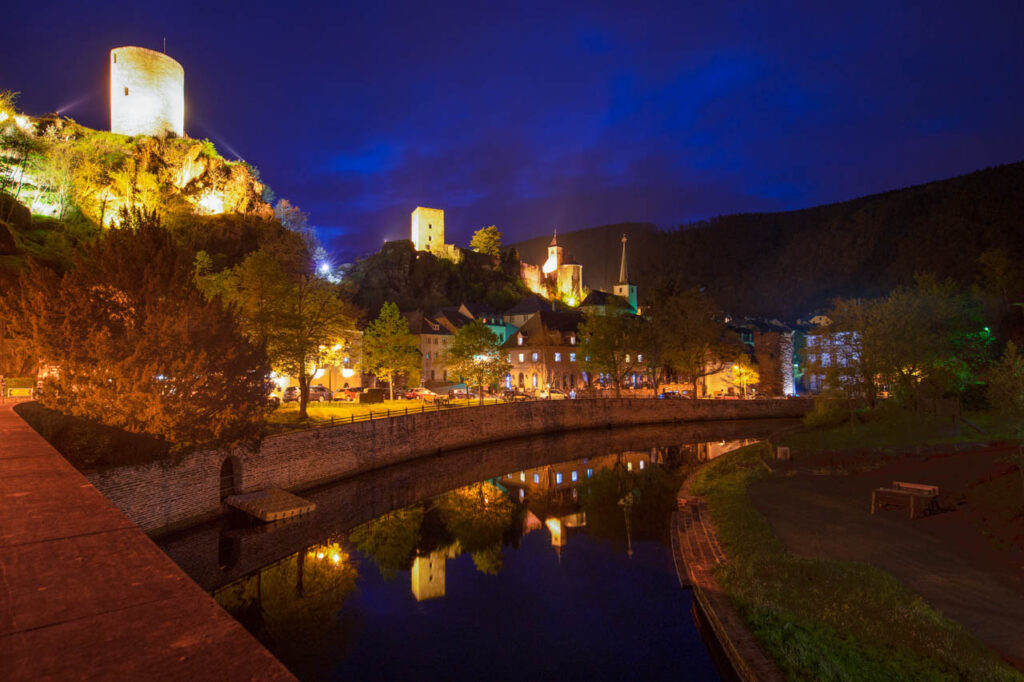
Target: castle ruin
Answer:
[[147, 93]]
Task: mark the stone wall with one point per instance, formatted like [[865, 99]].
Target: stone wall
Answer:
[[164, 496]]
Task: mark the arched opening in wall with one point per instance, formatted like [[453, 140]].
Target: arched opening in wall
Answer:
[[229, 476]]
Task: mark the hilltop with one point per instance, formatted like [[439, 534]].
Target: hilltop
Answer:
[[789, 263]]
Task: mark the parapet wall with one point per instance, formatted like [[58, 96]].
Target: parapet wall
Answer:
[[165, 496]]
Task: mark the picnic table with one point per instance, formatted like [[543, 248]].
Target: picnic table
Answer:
[[918, 498]]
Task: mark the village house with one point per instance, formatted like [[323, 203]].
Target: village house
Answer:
[[544, 353]]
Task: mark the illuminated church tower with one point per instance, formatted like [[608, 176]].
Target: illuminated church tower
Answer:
[[623, 288]]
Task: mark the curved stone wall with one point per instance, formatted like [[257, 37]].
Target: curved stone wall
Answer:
[[147, 92], [167, 495]]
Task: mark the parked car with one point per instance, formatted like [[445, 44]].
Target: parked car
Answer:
[[552, 394], [421, 393], [462, 394], [273, 399], [350, 394], [512, 395], [317, 393]]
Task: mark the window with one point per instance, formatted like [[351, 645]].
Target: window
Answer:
[[522, 357], [641, 465], [639, 357], [572, 340], [575, 476], [627, 357], [590, 473], [126, 92], [522, 494], [558, 357], [520, 339], [522, 476], [115, 58], [535, 357], [536, 478], [629, 466], [535, 381], [558, 478], [572, 357]]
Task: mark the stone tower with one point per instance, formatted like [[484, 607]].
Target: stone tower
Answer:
[[147, 93], [555, 252], [428, 229], [623, 288]]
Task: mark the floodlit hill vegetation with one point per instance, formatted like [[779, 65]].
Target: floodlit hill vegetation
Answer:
[[61, 183], [791, 263]]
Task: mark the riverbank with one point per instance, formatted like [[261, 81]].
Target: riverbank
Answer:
[[822, 618]]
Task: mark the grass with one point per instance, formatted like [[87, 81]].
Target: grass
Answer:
[[829, 620], [288, 413], [895, 429]]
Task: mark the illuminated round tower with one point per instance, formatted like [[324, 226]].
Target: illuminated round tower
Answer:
[[147, 93]]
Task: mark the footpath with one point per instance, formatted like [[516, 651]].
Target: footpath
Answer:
[[84, 594], [697, 552]]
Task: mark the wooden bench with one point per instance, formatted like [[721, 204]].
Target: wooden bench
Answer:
[[917, 498]]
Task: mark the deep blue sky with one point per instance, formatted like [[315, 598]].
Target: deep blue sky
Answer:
[[540, 115]]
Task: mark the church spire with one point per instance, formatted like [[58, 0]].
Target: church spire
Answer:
[[623, 274], [554, 238]]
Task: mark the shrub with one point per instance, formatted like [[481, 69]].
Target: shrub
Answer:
[[825, 414]]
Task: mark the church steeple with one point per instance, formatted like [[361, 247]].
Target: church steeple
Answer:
[[623, 274], [623, 288]]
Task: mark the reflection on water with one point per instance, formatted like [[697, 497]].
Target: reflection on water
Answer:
[[561, 570]]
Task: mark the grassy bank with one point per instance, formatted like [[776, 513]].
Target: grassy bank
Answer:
[[896, 429], [829, 620]]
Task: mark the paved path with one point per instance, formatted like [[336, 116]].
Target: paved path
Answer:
[[950, 566], [697, 545], [84, 594]]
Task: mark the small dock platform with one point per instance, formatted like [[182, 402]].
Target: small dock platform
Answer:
[[272, 504]]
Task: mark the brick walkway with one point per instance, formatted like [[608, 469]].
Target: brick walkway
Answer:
[[84, 594], [698, 552]]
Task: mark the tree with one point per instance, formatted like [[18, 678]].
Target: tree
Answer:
[[299, 319], [474, 355], [1006, 395], [610, 342], [389, 541], [696, 341], [487, 240], [136, 345], [744, 373], [389, 348]]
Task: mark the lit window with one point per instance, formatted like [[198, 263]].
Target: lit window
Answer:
[[572, 357], [558, 357], [629, 466], [535, 381], [522, 476], [572, 340], [536, 478], [522, 493], [558, 478], [639, 357], [522, 357], [520, 339], [535, 357], [590, 473], [575, 476], [641, 465], [627, 357]]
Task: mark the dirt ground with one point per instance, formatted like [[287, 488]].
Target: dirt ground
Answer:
[[967, 561]]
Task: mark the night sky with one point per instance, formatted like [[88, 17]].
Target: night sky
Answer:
[[533, 116]]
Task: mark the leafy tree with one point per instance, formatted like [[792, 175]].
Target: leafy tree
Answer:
[[487, 240], [299, 319], [478, 516], [474, 355], [610, 342], [1006, 395], [696, 341], [744, 373], [135, 344], [389, 348]]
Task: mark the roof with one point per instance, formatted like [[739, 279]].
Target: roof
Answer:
[[481, 309], [422, 324], [530, 304], [547, 328], [760, 325], [596, 298]]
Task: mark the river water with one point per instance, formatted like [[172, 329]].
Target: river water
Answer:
[[535, 559]]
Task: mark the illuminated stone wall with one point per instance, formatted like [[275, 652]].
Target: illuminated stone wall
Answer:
[[147, 93], [428, 229], [163, 496]]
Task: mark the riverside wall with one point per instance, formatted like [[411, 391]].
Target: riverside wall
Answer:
[[173, 494]]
